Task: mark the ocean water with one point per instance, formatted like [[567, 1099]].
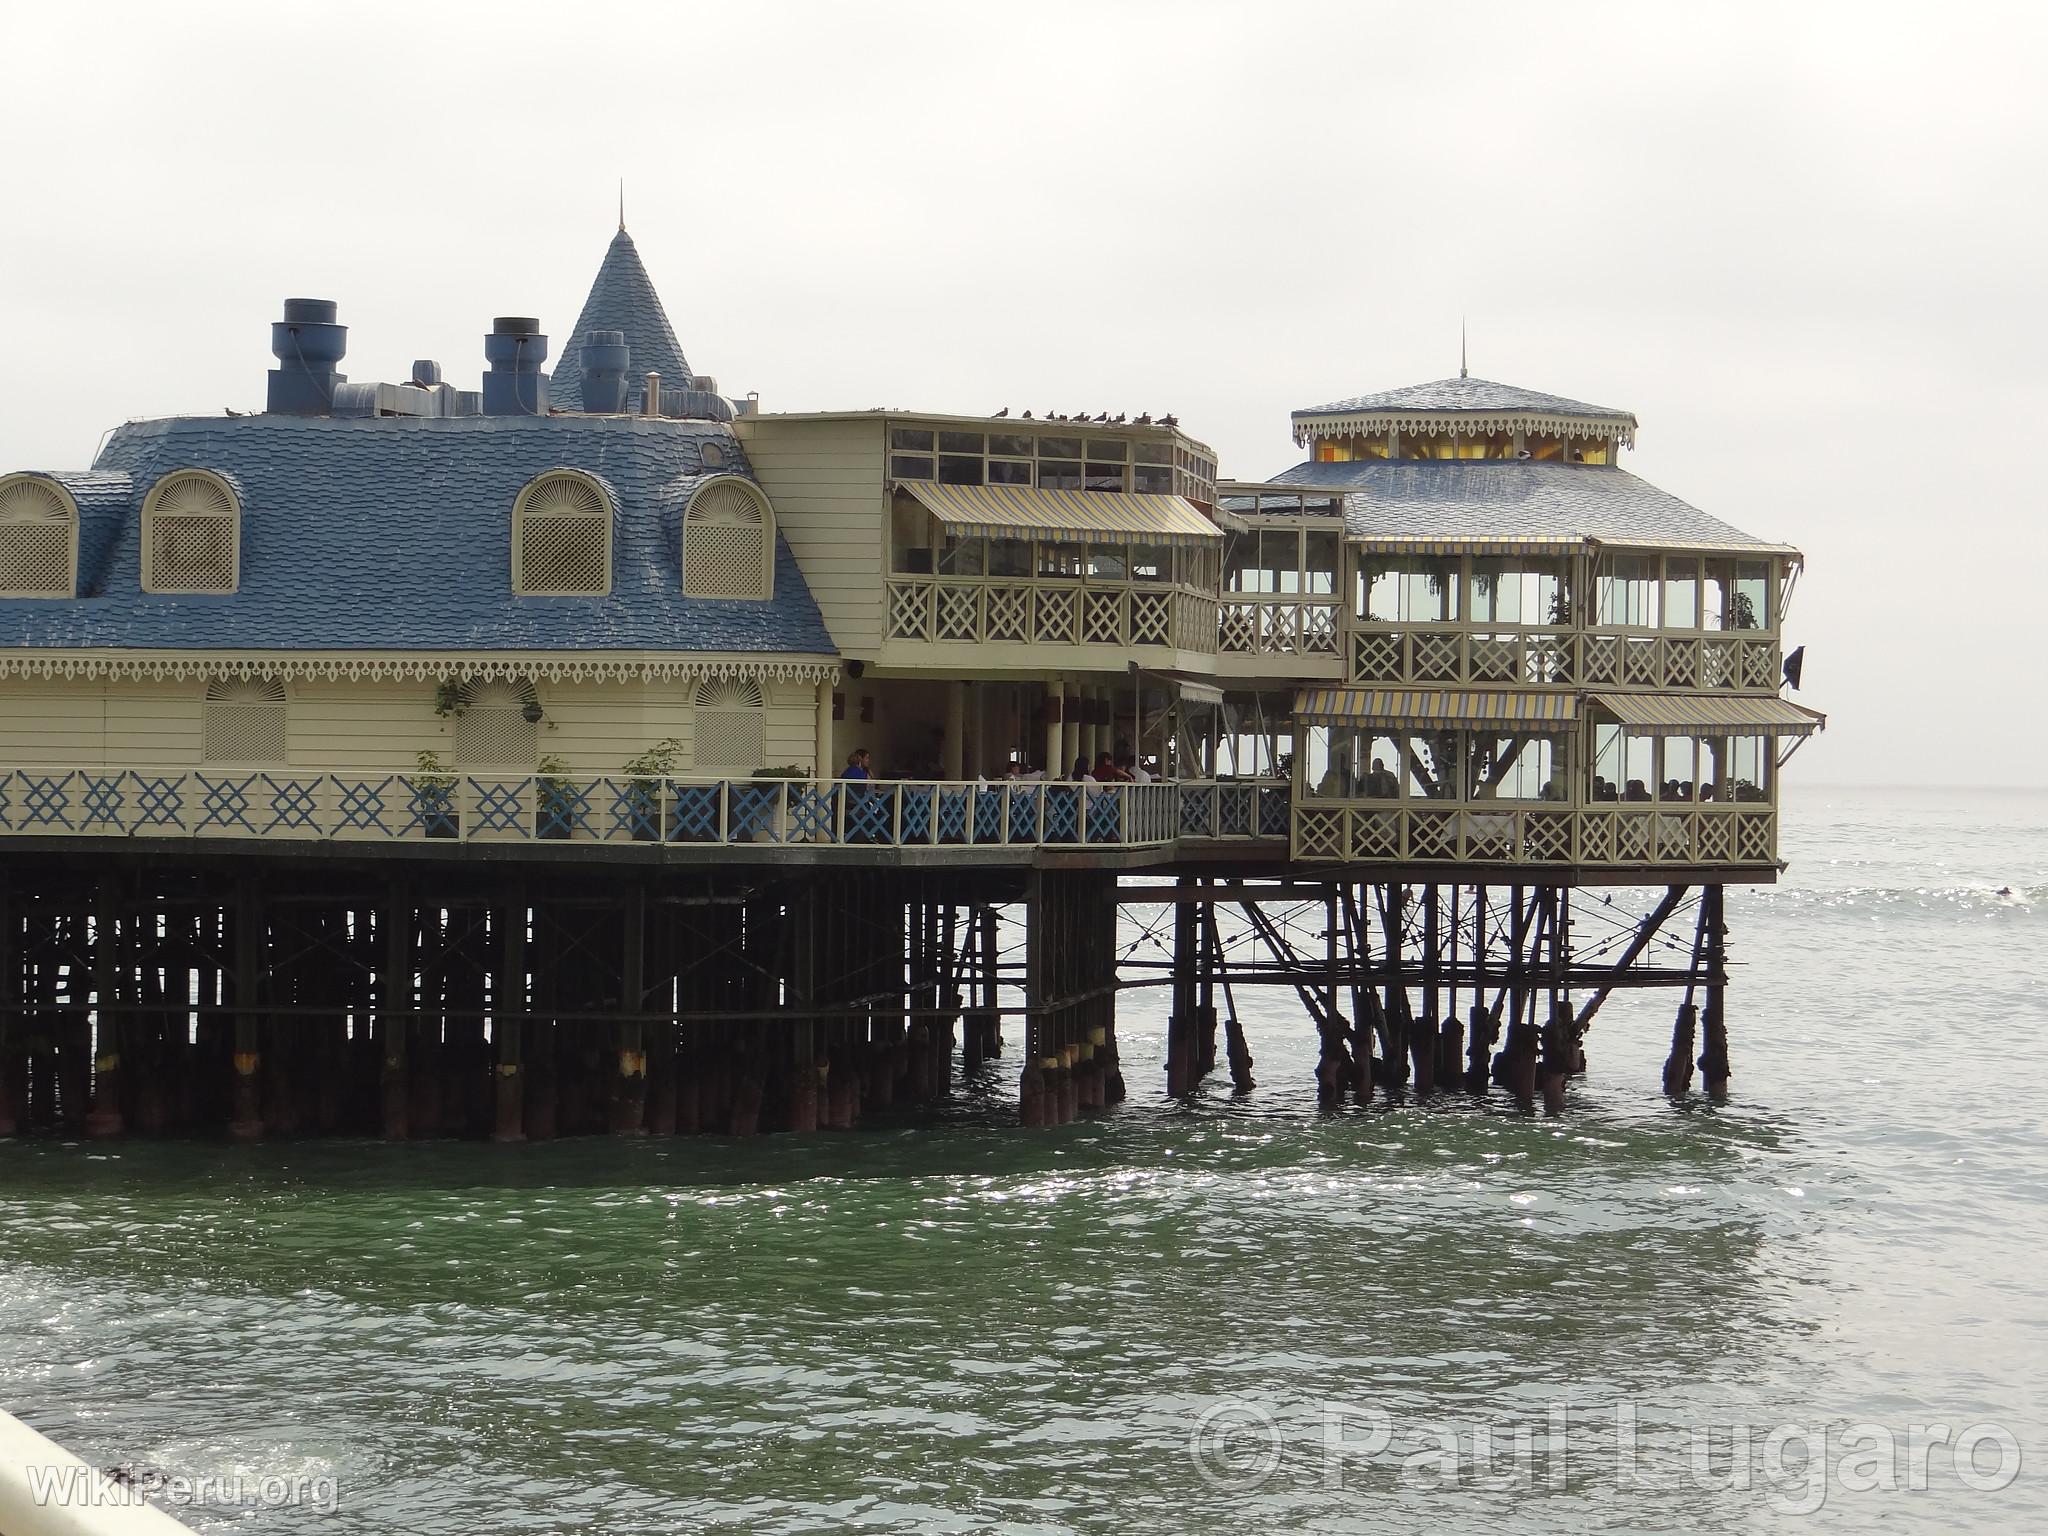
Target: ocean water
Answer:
[[1781, 1312]]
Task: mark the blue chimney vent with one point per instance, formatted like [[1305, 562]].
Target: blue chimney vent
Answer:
[[515, 386], [604, 357], [307, 344]]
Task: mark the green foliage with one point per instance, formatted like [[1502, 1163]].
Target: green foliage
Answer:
[[449, 697], [657, 762], [432, 774], [788, 771]]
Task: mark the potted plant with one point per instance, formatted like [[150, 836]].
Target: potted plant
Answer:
[[555, 802], [768, 815], [433, 797], [644, 773]]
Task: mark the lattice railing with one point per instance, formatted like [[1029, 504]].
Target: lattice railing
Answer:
[[1446, 654], [967, 611], [532, 808], [1657, 834], [1276, 626]]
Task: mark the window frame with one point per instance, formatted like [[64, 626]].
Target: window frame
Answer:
[[759, 497], [69, 508], [521, 513]]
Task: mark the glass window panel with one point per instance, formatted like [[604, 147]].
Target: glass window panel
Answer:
[[959, 469], [1748, 770], [1681, 592], [1432, 763], [1015, 445], [1105, 477], [1280, 556], [1059, 475], [962, 557], [1428, 590], [1155, 482], [1109, 450], [1718, 577], [1379, 766], [1677, 768], [1750, 608], [1628, 591], [1152, 453], [1517, 767], [1059, 447], [1241, 569], [960, 442], [905, 467], [1009, 557], [1059, 559], [1376, 595], [1108, 562], [1320, 562], [1009, 472], [913, 438], [1151, 562]]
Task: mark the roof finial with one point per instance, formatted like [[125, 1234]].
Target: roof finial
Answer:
[[622, 205], [1461, 324]]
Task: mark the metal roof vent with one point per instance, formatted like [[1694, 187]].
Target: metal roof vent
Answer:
[[605, 357], [515, 385], [307, 344]]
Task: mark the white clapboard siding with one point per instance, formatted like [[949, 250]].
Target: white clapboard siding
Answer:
[[825, 478]]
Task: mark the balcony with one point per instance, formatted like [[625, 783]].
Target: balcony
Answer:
[[1277, 625], [414, 808], [985, 610], [1450, 654], [1613, 835]]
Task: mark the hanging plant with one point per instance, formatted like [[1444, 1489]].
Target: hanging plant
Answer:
[[450, 697]]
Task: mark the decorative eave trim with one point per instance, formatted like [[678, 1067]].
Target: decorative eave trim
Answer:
[[1311, 425], [427, 667]]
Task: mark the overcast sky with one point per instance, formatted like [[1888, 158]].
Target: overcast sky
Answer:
[[1804, 243]]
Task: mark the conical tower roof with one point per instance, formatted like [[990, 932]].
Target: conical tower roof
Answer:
[[622, 299]]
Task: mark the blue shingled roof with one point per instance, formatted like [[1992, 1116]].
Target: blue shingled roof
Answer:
[[1465, 394], [622, 299], [1511, 498], [394, 533]]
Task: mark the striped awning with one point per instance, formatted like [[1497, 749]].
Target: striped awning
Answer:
[[1433, 707], [1706, 714], [1064, 517], [1467, 544]]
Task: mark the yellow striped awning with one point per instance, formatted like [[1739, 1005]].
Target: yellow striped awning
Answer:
[[1063, 517], [1467, 544], [1698, 714], [1433, 707]]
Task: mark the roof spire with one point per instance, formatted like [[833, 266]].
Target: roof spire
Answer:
[[1461, 318], [622, 204]]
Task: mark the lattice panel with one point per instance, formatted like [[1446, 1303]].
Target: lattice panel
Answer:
[[1718, 663], [1151, 618], [191, 554], [1753, 837], [564, 555], [1547, 837], [1642, 663], [1238, 630], [1546, 659], [1599, 659], [1489, 835], [1009, 613], [959, 613], [1278, 634], [910, 606], [732, 727], [1631, 839], [1681, 664], [1760, 666], [1436, 658], [35, 559], [1674, 836], [1055, 617], [1102, 618], [1376, 658], [244, 733], [1320, 834], [1432, 835], [1494, 661], [1376, 834], [496, 735], [1714, 839], [1319, 631], [723, 560]]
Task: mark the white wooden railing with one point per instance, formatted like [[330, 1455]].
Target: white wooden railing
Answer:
[[993, 610], [1658, 833], [1453, 654], [1279, 625]]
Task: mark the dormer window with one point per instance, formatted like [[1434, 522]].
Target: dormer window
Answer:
[[728, 541], [191, 534], [38, 538], [562, 537]]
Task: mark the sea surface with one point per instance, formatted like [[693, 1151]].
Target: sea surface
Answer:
[[1246, 1316]]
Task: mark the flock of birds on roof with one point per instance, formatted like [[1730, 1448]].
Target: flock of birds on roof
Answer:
[[1104, 419]]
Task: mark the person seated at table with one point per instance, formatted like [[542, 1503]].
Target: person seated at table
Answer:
[[857, 762], [1635, 791], [1380, 784]]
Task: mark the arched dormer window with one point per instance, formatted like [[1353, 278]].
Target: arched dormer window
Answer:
[[38, 538], [728, 541], [562, 537], [732, 725], [244, 722], [191, 534], [491, 725]]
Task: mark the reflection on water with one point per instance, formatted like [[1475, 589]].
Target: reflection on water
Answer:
[[957, 1327]]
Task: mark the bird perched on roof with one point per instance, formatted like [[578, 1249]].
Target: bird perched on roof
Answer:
[[1103, 417], [1025, 417], [1117, 419], [1144, 420], [1002, 413], [1169, 421]]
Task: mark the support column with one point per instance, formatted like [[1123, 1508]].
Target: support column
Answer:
[[508, 1031], [828, 759], [11, 1030], [1055, 727], [955, 743], [104, 1118], [1714, 1057], [629, 1084], [1070, 732], [394, 1010], [246, 1116]]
